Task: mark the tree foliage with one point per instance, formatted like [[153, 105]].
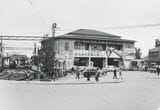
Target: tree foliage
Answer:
[[47, 55], [35, 60], [138, 53]]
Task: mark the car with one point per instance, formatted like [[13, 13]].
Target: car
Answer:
[[92, 71], [153, 69]]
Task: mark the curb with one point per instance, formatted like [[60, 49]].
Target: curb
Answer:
[[70, 83]]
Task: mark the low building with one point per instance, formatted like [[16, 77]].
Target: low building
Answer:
[[85, 47]]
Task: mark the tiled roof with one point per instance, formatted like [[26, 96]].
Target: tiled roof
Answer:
[[92, 35], [90, 32]]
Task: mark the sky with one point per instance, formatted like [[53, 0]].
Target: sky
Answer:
[[18, 17]]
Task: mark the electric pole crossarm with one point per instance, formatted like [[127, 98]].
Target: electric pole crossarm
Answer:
[[23, 38]]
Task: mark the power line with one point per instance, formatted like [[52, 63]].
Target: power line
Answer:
[[123, 27], [133, 26], [24, 38], [44, 22]]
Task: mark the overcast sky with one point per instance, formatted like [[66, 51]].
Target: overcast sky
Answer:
[[18, 17]]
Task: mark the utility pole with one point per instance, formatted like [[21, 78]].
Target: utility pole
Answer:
[[1, 55], [54, 26], [1, 44], [36, 58]]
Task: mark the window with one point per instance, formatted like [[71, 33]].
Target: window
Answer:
[[81, 46], [103, 47], [80, 61], [95, 47]]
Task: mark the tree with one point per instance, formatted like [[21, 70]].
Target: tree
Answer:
[[34, 59], [138, 53], [47, 56]]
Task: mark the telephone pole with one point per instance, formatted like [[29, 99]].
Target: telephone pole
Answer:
[[1, 56], [54, 26]]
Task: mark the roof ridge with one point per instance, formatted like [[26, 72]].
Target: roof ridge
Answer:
[[91, 32]]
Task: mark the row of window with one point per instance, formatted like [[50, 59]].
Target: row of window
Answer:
[[154, 54], [102, 47]]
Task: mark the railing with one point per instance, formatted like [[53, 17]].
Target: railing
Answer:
[[86, 53]]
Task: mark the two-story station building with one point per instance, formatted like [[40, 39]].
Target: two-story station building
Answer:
[[85, 47]]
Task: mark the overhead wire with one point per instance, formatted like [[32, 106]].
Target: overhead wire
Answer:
[[42, 19], [123, 27], [133, 26], [114, 27]]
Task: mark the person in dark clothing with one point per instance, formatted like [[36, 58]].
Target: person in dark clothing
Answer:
[[97, 75], [41, 77], [72, 70], [120, 73], [146, 69], [88, 75], [115, 74], [77, 74], [54, 76], [158, 70]]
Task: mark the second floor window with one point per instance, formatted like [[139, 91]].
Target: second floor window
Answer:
[[81, 46]]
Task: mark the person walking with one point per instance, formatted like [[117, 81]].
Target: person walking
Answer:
[[28, 76], [77, 74], [54, 76], [120, 74], [88, 75], [158, 70], [115, 74], [72, 70], [97, 75]]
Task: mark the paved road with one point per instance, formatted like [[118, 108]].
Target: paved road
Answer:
[[138, 91]]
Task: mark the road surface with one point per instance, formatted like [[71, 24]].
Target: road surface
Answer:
[[137, 91]]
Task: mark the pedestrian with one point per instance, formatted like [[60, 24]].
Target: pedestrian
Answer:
[[41, 76], [120, 73], [97, 74], [88, 75], [72, 70], [28, 76], [146, 69], [77, 74], [54, 76], [158, 70], [115, 74]]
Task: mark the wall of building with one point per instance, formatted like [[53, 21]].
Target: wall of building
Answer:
[[64, 45], [64, 52], [128, 54]]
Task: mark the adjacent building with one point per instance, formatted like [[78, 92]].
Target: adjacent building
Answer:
[[154, 54], [85, 47]]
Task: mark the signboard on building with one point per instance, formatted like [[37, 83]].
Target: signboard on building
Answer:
[[114, 55], [129, 54], [90, 54]]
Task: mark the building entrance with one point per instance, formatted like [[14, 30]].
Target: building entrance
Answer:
[[97, 62], [113, 61]]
